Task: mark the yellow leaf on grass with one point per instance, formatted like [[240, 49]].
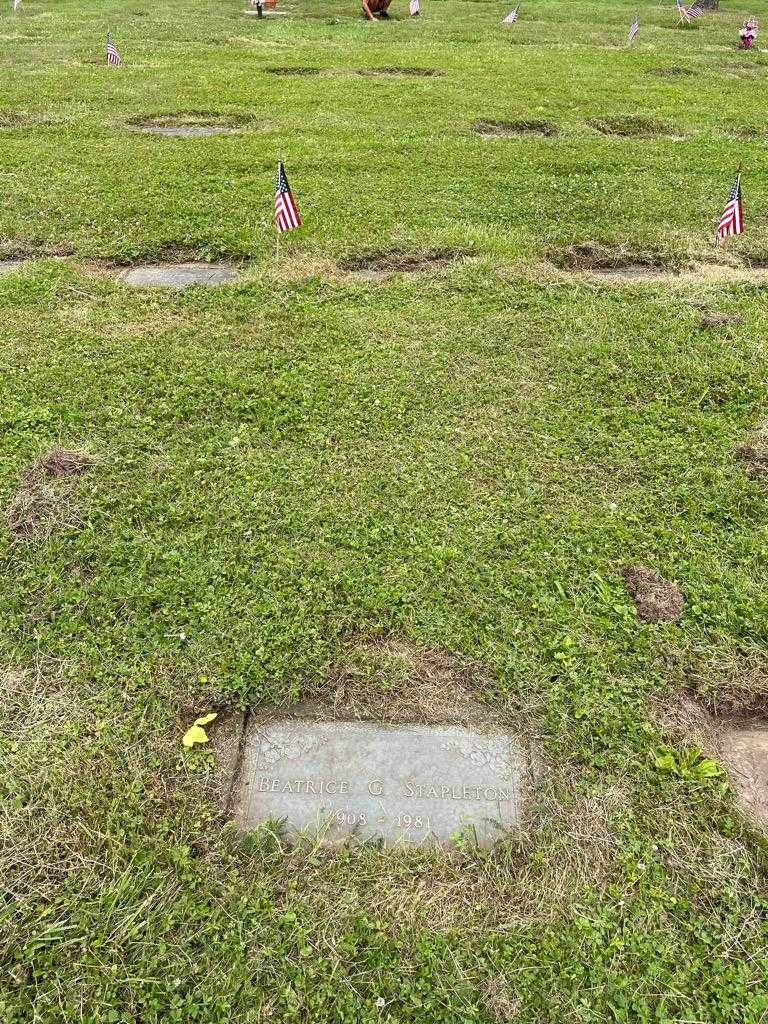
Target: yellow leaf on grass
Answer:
[[194, 735]]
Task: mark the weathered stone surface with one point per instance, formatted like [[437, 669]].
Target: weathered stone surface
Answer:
[[187, 131], [745, 753], [413, 784], [178, 275]]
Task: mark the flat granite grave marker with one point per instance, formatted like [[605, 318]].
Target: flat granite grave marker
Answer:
[[412, 784], [178, 275]]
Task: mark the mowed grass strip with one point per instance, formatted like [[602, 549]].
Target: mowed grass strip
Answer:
[[457, 456]]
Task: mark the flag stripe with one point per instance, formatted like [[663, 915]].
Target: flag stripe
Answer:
[[286, 212], [732, 218]]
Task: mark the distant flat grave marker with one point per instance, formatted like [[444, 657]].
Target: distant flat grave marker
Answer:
[[392, 71], [402, 784], [10, 266], [178, 275], [190, 124], [187, 131]]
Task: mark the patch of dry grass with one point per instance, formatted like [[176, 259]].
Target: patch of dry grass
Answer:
[[394, 680], [567, 847], [43, 502], [733, 684], [754, 454]]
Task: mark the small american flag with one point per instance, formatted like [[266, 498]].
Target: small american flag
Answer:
[[286, 211], [113, 57], [415, 8], [512, 17], [695, 10], [732, 218], [634, 28]]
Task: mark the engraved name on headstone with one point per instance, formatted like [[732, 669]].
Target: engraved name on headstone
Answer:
[[415, 784]]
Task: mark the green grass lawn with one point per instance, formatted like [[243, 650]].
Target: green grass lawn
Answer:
[[299, 464]]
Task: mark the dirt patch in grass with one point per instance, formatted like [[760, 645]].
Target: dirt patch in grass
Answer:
[[10, 119], [188, 123], [36, 510], [395, 681], [415, 72], [714, 320], [512, 129], [754, 454], [743, 69], [620, 264], [749, 132], [594, 257], [43, 503], [382, 263], [500, 999], [634, 126], [755, 458], [656, 599], [745, 756], [673, 72], [299, 72], [32, 248]]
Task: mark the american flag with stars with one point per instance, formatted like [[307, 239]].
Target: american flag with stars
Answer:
[[113, 57], [512, 17], [732, 218], [695, 10], [286, 212], [634, 28]]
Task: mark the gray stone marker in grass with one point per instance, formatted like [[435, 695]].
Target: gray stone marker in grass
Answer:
[[186, 131], [10, 266], [178, 275], [745, 753], [402, 784]]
